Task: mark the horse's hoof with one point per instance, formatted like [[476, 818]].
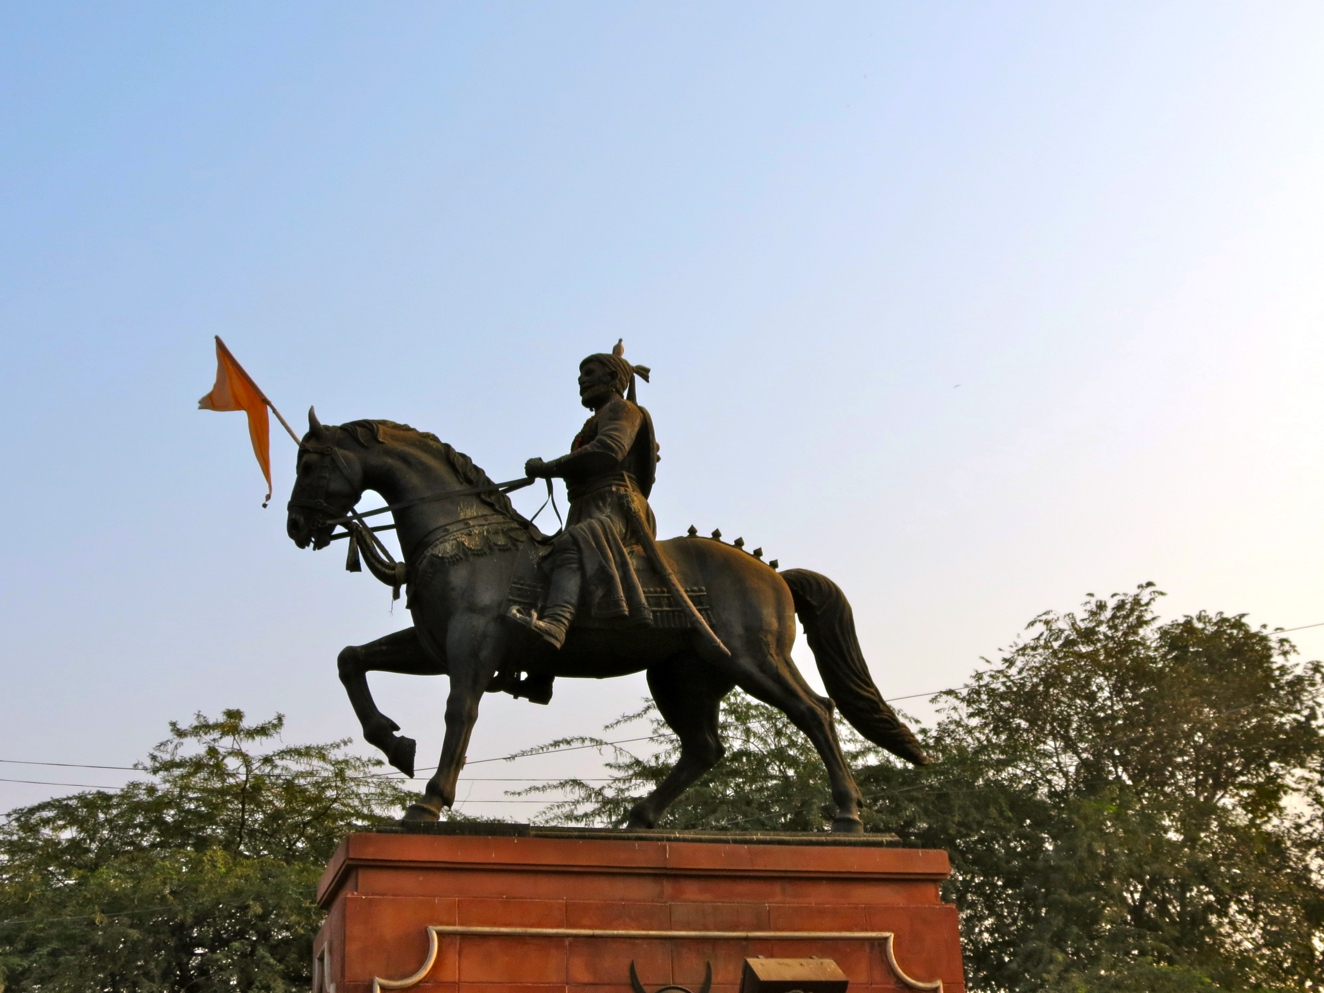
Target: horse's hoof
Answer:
[[420, 814], [381, 734], [847, 825], [401, 755]]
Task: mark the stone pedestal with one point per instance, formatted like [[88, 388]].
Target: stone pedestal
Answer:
[[539, 910]]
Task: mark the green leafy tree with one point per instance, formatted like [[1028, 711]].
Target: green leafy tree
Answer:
[[199, 880], [1130, 805], [770, 779]]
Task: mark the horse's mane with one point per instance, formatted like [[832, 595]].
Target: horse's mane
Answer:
[[367, 432]]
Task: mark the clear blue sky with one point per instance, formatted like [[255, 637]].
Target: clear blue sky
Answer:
[[976, 308]]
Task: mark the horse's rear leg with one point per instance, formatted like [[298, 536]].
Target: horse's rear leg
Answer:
[[688, 693], [399, 652], [777, 682]]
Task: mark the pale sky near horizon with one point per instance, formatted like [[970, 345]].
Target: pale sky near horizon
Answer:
[[975, 308]]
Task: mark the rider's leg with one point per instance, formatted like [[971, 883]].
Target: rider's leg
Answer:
[[563, 596], [554, 620]]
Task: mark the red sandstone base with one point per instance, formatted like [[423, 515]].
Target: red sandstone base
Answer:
[[547, 911]]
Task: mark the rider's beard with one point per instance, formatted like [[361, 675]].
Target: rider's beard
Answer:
[[595, 397]]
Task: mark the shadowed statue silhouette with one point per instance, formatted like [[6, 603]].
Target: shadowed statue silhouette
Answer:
[[491, 597]]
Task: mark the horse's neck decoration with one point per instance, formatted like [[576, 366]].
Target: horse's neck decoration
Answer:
[[414, 468], [463, 543]]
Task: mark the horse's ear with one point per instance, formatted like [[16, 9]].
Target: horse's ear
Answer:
[[314, 425]]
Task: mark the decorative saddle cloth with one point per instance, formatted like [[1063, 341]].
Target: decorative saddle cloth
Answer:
[[666, 614], [468, 539], [529, 586], [528, 589]]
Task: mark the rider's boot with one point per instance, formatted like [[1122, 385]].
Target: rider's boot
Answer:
[[554, 621]]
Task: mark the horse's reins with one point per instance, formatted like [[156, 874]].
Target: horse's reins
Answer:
[[357, 529]]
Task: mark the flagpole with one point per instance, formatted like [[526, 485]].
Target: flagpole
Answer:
[[283, 422]]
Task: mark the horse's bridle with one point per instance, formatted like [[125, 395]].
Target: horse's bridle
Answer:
[[321, 505], [324, 478], [357, 529]]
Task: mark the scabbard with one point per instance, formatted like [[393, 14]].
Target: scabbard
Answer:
[[706, 635]]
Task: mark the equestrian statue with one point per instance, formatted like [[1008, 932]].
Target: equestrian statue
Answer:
[[500, 607]]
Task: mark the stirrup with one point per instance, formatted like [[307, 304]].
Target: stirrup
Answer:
[[535, 689], [554, 634], [504, 681]]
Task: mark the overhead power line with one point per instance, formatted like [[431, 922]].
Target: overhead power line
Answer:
[[550, 751], [476, 779], [45, 782], [966, 686], [73, 765], [499, 758]]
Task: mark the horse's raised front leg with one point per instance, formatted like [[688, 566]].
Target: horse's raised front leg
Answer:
[[400, 652], [472, 647]]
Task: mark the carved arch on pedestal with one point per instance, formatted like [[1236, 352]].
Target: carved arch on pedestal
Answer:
[[436, 931]]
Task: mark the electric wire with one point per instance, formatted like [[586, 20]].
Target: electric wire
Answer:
[[72, 765], [531, 753], [966, 686], [45, 782]]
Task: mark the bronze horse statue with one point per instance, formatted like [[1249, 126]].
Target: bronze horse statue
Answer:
[[460, 559]]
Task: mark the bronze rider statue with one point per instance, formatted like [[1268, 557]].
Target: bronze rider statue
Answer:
[[609, 474]]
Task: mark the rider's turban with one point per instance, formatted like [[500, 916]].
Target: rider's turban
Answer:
[[623, 371]]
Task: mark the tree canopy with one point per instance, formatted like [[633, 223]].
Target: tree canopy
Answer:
[[1129, 804], [200, 879]]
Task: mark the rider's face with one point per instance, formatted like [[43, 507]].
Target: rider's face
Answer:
[[595, 380]]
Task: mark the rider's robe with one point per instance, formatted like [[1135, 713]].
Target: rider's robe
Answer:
[[609, 474]]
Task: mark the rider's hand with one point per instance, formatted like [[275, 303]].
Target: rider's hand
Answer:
[[536, 468]]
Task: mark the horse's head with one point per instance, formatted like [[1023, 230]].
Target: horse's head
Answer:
[[328, 484]]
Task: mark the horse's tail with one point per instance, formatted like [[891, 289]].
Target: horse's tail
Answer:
[[830, 626]]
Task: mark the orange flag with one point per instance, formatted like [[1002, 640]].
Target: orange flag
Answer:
[[235, 390]]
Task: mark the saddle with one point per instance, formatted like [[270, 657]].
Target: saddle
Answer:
[[532, 577]]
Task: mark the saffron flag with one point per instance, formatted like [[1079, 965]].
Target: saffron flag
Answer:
[[235, 390]]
